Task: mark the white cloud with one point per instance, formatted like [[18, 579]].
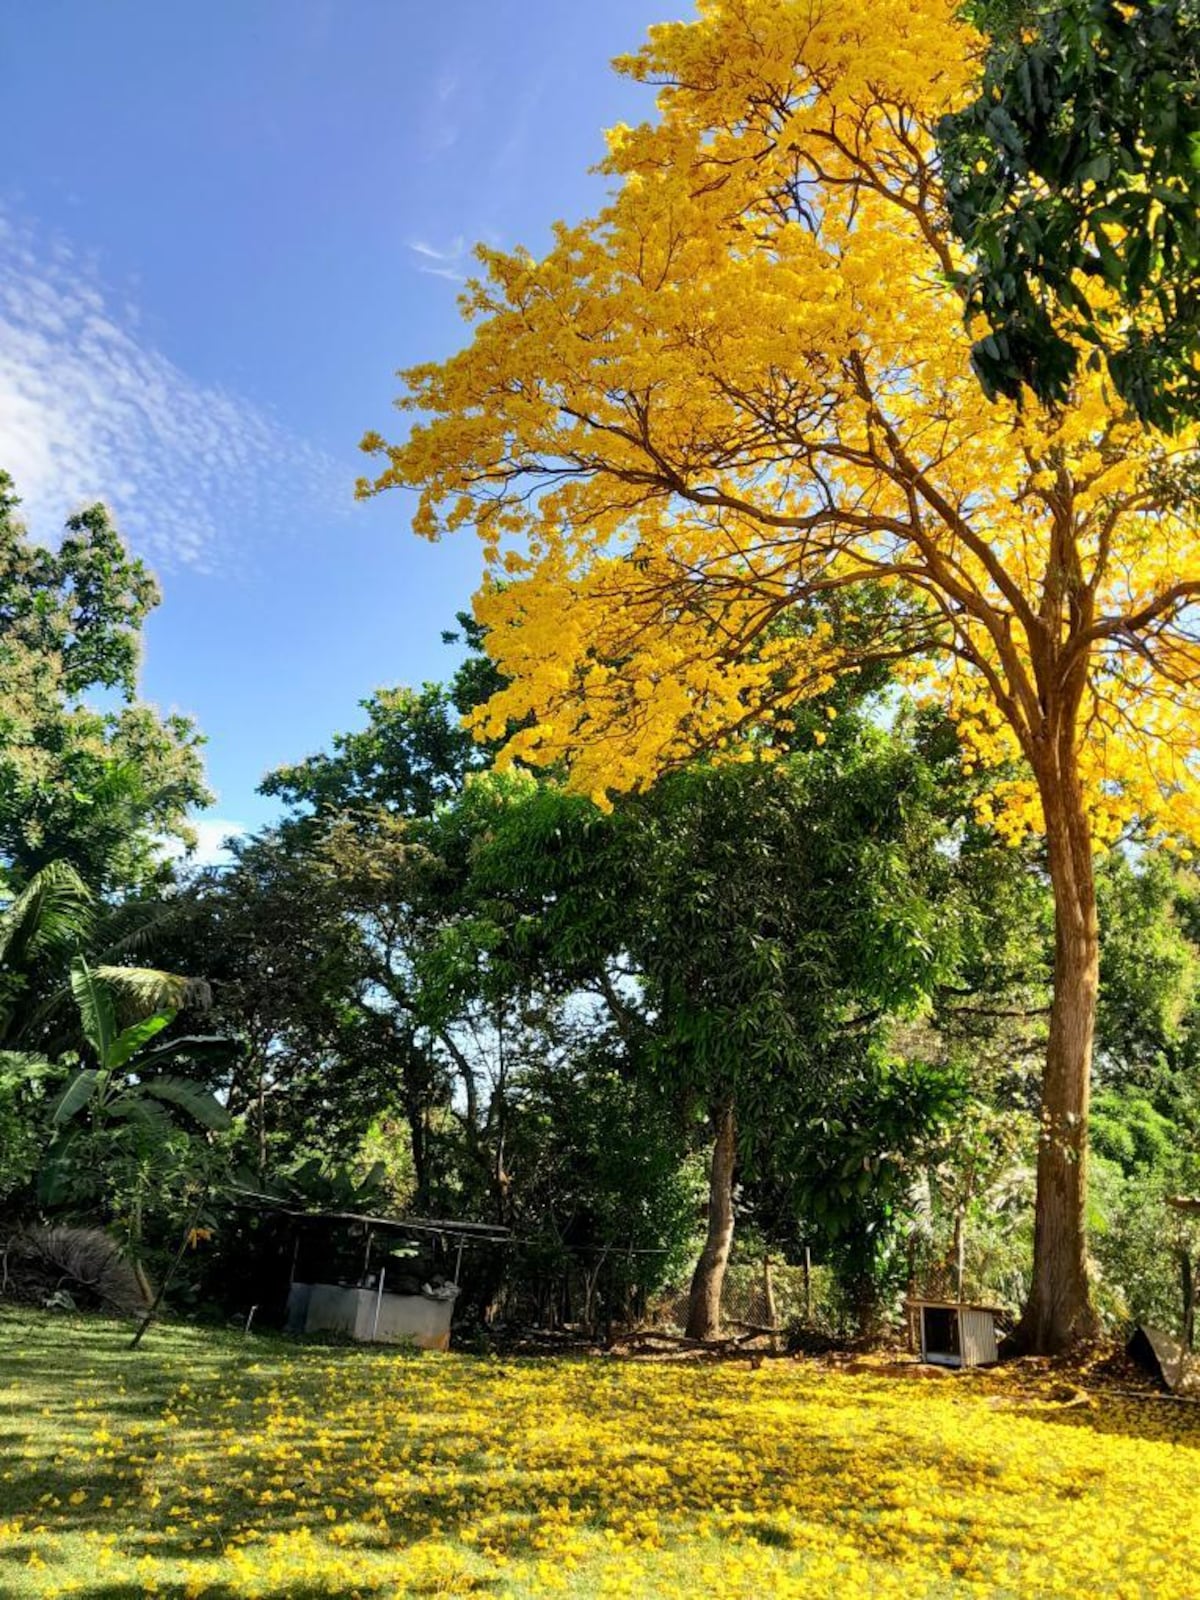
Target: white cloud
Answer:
[[440, 263], [452, 253], [209, 850], [90, 410]]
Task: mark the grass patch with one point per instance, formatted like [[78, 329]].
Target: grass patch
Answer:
[[207, 1464]]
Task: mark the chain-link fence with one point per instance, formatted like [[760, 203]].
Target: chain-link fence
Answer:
[[764, 1294]]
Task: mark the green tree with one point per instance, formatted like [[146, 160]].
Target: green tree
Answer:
[[125, 1126], [362, 819], [88, 774], [272, 935], [1074, 183], [604, 1196], [751, 929]]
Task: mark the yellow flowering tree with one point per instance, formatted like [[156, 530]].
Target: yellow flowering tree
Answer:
[[743, 391]]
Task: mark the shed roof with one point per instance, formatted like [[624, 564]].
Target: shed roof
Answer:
[[915, 1301], [456, 1227]]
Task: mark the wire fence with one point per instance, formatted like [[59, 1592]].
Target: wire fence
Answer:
[[762, 1294]]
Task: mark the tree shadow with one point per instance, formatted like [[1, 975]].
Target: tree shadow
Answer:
[[394, 1447], [1150, 1417]]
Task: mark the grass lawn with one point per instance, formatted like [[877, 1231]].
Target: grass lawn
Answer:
[[209, 1464]]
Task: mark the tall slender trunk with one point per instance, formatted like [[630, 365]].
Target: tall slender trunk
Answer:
[[1187, 1279], [414, 1115], [704, 1300], [260, 1114], [1059, 1311]]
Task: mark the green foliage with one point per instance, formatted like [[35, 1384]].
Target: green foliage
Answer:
[[386, 1148], [412, 754], [854, 1159], [117, 1122], [1141, 1158], [322, 1188], [605, 1201], [278, 936], [98, 789], [1128, 1132], [1080, 157], [97, 1011], [1150, 968], [50, 915], [752, 932], [40, 928], [760, 909], [22, 1116], [1137, 1241]]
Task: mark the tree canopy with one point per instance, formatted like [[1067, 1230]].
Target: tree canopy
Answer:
[[1074, 184], [88, 773], [746, 386]]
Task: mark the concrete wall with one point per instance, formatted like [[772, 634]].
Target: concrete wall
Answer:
[[402, 1318]]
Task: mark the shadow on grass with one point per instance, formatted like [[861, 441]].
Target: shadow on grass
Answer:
[[1150, 1417], [321, 1428], [298, 1591], [295, 1591]]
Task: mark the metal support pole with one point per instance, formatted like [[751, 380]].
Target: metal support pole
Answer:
[[378, 1303]]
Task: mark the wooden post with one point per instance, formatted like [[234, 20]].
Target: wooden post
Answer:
[[771, 1316], [171, 1270], [808, 1309]]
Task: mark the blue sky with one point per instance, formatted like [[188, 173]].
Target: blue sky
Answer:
[[222, 229]]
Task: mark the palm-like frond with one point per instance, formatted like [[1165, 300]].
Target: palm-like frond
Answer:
[[150, 989], [130, 1040], [97, 1014], [132, 927], [135, 991], [76, 1095], [54, 912], [199, 1104]]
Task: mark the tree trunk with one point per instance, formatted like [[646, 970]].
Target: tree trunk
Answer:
[[1187, 1280], [704, 1300], [1059, 1312], [260, 1112], [414, 1115]]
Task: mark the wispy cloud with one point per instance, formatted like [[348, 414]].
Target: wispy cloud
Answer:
[[90, 410], [453, 252], [441, 263], [439, 124]]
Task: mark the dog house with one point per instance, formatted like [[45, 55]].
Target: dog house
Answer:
[[952, 1333]]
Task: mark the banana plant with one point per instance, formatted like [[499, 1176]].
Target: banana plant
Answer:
[[47, 922], [127, 1081]]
